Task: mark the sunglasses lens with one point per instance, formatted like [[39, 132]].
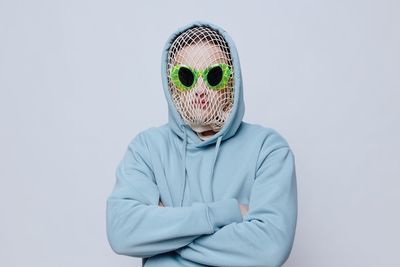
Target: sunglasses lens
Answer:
[[186, 76], [215, 75]]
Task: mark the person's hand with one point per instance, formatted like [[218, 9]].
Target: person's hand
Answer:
[[160, 204], [244, 209]]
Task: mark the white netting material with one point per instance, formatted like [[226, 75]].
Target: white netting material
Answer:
[[201, 108]]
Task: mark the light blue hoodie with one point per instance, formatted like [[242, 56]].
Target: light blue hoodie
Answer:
[[201, 184]]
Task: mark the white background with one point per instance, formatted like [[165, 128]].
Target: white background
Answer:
[[79, 79]]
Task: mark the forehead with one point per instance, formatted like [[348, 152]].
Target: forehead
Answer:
[[200, 55]]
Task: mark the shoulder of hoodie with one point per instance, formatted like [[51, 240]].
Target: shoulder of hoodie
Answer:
[[150, 134], [269, 138]]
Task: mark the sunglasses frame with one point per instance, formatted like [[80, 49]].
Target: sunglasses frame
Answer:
[[226, 74]]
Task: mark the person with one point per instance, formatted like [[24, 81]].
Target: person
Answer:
[[206, 188]]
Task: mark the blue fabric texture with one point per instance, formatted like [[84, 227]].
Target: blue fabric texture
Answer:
[[201, 184]]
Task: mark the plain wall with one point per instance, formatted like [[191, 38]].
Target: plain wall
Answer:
[[79, 79]]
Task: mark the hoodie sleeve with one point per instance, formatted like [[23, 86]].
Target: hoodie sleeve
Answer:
[[138, 227], [266, 234]]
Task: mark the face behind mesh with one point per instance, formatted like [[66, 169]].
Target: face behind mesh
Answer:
[[201, 107]]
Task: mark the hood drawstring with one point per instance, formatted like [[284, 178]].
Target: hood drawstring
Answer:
[[184, 165], [217, 145]]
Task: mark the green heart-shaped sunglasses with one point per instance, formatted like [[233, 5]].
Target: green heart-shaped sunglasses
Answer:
[[215, 76]]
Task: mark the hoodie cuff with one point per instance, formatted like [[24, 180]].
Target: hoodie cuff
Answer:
[[223, 212]]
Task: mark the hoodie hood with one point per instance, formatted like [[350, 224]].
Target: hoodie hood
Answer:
[[175, 121]]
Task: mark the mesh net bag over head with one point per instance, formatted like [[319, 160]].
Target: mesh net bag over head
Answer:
[[200, 78]]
